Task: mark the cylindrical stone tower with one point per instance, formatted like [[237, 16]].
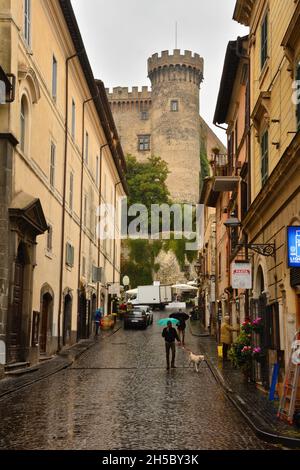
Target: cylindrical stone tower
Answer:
[[175, 135]]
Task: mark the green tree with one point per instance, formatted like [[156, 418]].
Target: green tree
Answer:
[[147, 181]]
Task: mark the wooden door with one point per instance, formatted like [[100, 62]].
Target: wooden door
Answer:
[[16, 313], [44, 325]]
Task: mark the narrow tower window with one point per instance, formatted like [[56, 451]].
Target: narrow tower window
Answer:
[[174, 106]]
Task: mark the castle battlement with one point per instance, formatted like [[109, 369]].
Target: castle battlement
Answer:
[[166, 59], [127, 94]]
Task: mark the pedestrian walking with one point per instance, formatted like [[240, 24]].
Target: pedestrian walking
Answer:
[[182, 317], [226, 335], [97, 319], [170, 335]]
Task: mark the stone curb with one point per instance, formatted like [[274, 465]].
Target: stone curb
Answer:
[[65, 358], [236, 400]]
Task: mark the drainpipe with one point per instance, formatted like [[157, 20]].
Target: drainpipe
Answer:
[[81, 205], [114, 254], [64, 204], [100, 202], [242, 55], [220, 127]]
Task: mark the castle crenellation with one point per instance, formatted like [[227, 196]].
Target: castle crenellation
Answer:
[[166, 58], [129, 94]]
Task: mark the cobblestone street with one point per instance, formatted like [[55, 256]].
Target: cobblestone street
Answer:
[[119, 395]]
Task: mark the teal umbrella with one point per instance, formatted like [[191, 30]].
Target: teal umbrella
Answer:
[[165, 321]]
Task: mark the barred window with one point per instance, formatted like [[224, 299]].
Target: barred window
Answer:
[[143, 143]]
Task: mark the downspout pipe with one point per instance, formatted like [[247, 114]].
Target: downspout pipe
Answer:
[[99, 205], [81, 206], [64, 205], [115, 209]]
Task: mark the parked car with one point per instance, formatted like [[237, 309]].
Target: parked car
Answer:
[[148, 311], [136, 318]]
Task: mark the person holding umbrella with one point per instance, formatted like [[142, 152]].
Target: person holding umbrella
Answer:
[[182, 318], [170, 335]]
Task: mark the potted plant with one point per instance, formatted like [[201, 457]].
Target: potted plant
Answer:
[[241, 351], [258, 354], [257, 325]]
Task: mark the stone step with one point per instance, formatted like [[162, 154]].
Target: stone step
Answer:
[[21, 371], [16, 366], [45, 358]]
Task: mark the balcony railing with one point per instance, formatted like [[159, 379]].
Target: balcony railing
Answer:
[[221, 165]]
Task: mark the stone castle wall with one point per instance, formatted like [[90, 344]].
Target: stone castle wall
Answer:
[[132, 114]]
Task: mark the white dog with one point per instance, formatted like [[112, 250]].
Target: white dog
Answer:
[[196, 360]]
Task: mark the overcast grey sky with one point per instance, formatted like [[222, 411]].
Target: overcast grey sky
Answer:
[[120, 35]]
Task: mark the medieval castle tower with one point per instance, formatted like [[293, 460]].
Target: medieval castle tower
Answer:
[[165, 122]]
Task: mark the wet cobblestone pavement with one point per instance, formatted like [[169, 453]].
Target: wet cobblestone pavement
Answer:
[[119, 395]]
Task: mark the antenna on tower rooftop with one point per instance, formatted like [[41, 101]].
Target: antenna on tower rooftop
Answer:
[[176, 34]]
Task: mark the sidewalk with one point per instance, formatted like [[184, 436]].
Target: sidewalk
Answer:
[[254, 404], [24, 377]]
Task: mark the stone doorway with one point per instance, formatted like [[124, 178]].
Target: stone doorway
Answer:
[[47, 300], [67, 320]]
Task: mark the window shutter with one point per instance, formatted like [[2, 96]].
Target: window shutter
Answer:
[[96, 274], [69, 255]]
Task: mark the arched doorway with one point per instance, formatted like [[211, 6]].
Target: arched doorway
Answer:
[[67, 320], [260, 282], [15, 337], [92, 313], [260, 370], [82, 317], [47, 298]]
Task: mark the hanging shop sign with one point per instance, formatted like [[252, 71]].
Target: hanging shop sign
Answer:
[[114, 289], [241, 275], [293, 245]]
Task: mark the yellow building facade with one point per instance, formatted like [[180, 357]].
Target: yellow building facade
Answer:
[[256, 186], [61, 158], [274, 53]]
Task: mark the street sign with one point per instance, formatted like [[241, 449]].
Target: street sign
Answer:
[[114, 289], [241, 275], [293, 245]]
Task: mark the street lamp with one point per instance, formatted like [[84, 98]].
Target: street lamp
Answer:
[[264, 249]]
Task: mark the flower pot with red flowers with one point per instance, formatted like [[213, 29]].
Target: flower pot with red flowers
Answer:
[[257, 325], [258, 355]]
